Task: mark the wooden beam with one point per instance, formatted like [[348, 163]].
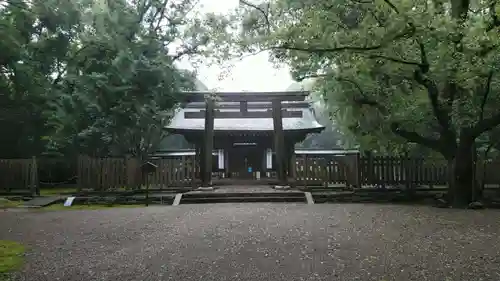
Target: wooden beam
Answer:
[[208, 145], [247, 96], [291, 159], [199, 160], [237, 114], [260, 105], [243, 107], [279, 142]]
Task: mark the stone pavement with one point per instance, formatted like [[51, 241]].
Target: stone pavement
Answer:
[[253, 242]]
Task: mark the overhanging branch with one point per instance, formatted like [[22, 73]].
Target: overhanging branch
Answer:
[[397, 129], [495, 20], [441, 114], [395, 60], [415, 137], [326, 50], [320, 51], [264, 13], [485, 95], [372, 103], [485, 125]]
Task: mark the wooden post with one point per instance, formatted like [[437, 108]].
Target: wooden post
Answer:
[[209, 143], [243, 107], [292, 168], [279, 142], [306, 170], [35, 190], [226, 163], [199, 161], [193, 169], [146, 181], [370, 168], [408, 171]]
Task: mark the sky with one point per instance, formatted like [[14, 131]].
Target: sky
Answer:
[[252, 73]]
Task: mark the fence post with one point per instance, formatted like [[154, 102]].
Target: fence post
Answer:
[[408, 174], [358, 171], [35, 190], [79, 173], [306, 170]]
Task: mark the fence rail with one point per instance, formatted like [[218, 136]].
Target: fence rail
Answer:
[[18, 175], [115, 173], [182, 171]]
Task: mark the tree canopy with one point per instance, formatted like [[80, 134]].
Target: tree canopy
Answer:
[[94, 77], [394, 72]]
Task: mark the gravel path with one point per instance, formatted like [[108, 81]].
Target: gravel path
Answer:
[[259, 242]]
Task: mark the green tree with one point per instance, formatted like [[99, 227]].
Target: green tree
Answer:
[[95, 77], [426, 72], [34, 40]]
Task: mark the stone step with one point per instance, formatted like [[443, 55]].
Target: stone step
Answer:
[[43, 201], [290, 194], [269, 199]]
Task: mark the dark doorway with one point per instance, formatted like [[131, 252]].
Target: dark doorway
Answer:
[[245, 160]]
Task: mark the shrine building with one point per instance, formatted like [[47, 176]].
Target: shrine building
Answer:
[[244, 129]]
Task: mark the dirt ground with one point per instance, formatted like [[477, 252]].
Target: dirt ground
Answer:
[[258, 242]]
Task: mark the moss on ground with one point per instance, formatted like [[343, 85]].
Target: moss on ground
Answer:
[[11, 258], [61, 207], [57, 191], [65, 190], [5, 203]]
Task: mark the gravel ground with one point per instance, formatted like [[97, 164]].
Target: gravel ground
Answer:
[[259, 242]]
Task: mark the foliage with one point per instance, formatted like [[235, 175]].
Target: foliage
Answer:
[[95, 77], [330, 137], [421, 72], [367, 54]]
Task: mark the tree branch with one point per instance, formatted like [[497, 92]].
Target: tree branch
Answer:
[[433, 95], [392, 6], [415, 137], [395, 60], [365, 101], [424, 62], [495, 21], [485, 96], [161, 12], [326, 50], [485, 125], [342, 48], [395, 9], [303, 77], [262, 11], [441, 115], [190, 50]]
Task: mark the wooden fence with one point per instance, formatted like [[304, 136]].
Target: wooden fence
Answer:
[[120, 173], [18, 175], [182, 171], [385, 171]]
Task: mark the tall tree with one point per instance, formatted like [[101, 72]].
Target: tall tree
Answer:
[[424, 71], [35, 39], [95, 77]]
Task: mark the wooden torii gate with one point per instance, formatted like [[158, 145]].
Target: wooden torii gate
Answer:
[[277, 114]]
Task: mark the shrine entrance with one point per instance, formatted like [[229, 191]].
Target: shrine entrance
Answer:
[[245, 161], [244, 127]]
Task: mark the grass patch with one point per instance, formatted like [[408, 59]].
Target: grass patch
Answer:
[[53, 191], [5, 203], [11, 258], [57, 191], [61, 207]]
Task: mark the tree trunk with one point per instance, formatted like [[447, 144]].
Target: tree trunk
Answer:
[[462, 185]]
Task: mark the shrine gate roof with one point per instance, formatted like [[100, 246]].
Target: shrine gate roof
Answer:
[[247, 111]]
